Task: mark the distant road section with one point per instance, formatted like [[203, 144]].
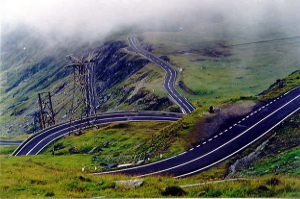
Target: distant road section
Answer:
[[264, 41], [171, 74], [10, 142], [36, 143]]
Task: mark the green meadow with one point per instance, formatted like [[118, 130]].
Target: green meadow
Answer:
[[218, 70]]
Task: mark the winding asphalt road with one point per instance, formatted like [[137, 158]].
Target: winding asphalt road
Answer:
[[226, 143], [206, 154], [36, 143], [170, 78]]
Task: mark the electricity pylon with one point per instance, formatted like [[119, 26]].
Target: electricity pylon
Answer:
[[46, 110], [84, 77]]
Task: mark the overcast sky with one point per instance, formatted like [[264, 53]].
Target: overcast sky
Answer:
[[98, 17]]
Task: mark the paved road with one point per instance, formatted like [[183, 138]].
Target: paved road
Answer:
[[10, 142], [171, 74], [226, 143], [206, 154], [36, 143]]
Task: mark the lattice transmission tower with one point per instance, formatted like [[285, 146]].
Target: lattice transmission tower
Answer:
[[46, 110], [84, 78]]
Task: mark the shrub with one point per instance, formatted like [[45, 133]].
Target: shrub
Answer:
[[173, 191], [263, 188], [50, 194], [273, 181]]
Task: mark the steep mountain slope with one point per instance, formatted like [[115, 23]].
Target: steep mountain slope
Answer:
[[30, 65]]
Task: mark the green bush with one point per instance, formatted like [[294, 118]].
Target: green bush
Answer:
[[173, 191]]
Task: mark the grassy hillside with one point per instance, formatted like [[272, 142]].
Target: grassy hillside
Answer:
[[67, 176], [273, 173], [214, 69], [112, 144], [30, 65]]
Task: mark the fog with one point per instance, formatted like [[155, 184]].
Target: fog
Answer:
[[95, 19]]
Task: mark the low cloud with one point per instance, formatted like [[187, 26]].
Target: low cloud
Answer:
[[93, 19]]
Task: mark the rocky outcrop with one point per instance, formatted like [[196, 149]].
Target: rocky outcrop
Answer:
[[165, 58], [113, 67], [184, 87], [145, 100], [130, 183], [245, 161]]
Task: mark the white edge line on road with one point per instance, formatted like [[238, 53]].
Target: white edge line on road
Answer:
[[222, 144], [28, 140], [160, 63], [238, 149], [161, 118]]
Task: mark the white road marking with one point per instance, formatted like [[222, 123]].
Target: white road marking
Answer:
[[238, 149], [193, 160], [220, 146], [94, 119]]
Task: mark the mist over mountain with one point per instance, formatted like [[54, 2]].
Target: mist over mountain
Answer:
[[94, 19]]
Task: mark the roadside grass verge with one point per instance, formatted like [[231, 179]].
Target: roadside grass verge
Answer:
[[7, 150], [111, 144], [280, 155], [17, 137], [62, 177]]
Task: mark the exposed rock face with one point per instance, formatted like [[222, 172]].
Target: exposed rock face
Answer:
[[113, 67], [96, 149], [130, 183], [165, 58], [245, 161], [184, 87], [145, 100]]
